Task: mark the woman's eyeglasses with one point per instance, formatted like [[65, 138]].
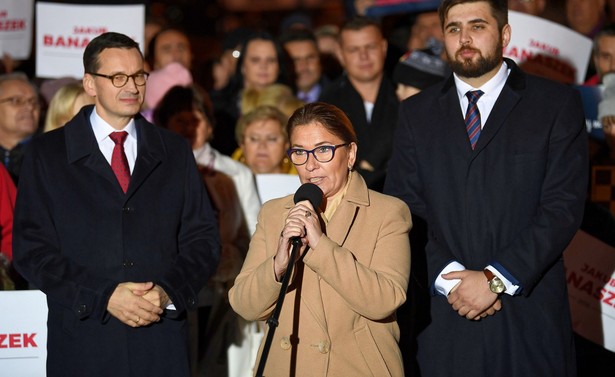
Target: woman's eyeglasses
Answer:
[[323, 153]]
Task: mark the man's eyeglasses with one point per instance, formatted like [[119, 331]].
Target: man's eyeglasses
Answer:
[[120, 79], [323, 153], [22, 101]]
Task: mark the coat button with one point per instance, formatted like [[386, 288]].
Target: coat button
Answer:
[[323, 347], [285, 343], [126, 209], [82, 308], [128, 264], [191, 301]]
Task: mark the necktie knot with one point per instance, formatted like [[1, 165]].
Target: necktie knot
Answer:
[[118, 137], [474, 95]]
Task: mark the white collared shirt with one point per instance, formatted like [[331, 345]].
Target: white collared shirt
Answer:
[[102, 130], [491, 90]]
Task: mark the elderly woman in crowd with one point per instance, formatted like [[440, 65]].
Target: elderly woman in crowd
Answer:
[[338, 317], [263, 141]]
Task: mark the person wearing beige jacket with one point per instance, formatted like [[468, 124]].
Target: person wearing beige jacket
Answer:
[[338, 316]]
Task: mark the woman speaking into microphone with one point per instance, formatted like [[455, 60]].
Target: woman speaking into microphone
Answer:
[[352, 269]]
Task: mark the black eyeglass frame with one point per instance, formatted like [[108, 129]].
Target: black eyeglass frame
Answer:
[[290, 152], [113, 77]]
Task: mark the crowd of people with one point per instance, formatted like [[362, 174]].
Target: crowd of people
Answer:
[[452, 180]]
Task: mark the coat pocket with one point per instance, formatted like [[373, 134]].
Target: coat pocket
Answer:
[[372, 355]]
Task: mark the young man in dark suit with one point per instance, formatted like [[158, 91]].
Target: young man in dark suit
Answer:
[[499, 175], [113, 224]]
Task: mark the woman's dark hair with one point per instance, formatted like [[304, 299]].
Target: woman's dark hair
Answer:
[[330, 117], [179, 99], [237, 80]]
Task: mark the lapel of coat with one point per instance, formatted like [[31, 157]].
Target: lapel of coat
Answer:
[[81, 144], [506, 102], [150, 153], [450, 119]]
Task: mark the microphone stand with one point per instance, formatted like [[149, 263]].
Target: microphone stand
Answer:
[[273, 320]]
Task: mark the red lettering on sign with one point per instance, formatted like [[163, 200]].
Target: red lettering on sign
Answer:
[[608, 298], [17, 340], [12, 25], [61, 41]]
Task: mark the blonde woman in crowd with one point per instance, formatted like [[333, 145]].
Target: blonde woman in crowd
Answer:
[[277, 95], [67, 102], [263, 141]]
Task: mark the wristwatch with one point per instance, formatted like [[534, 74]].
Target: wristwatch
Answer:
[[496, 285]]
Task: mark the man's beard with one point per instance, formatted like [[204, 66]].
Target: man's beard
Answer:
[[471, 69]]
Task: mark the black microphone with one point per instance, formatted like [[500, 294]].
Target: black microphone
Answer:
[[311, 192]]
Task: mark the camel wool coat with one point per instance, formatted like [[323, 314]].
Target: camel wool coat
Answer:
[[338, 316]]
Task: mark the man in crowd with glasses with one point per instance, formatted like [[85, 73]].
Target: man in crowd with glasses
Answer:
[[114, 225], [19, 116]]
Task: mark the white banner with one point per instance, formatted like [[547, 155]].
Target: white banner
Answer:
[[542, 39], [590, 273], [63, 31], [16, 28], [23, 333]]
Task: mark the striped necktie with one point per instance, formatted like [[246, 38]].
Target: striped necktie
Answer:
[[473, 117]]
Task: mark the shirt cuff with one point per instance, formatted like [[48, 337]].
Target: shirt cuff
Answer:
[[511, 287], [443, 286]]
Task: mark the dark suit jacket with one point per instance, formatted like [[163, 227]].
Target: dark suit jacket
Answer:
[[375, 138], [516, 200], [77, 235]]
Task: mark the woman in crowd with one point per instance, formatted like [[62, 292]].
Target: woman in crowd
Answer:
[[260, 64], [263, 141], [338, 317], [184, 110], [279, 96], [66, 102]]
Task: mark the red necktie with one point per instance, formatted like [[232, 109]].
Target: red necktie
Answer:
[[473, 117], [119, 162]]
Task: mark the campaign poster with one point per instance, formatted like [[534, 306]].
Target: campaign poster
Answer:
[[557, 48], [60, 45], [16, 28], [590, 273], [23, 333]]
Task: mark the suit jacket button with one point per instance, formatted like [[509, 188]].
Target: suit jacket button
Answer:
[[285, 343], [126, 209], [82, 308], [128, 264], [192, 301], [323, 347]]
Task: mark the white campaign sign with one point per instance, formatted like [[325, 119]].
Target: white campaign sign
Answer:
[[16, 28], [271, 186], [534, 36], [23, 333], [63, 31], [590, 273]]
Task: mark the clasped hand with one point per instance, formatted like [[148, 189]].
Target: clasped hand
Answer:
[[138, 304], [471, 297], [302, 221]]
